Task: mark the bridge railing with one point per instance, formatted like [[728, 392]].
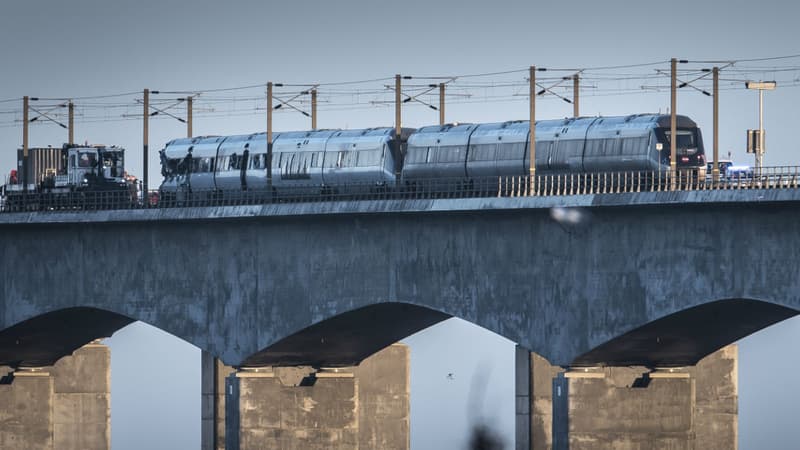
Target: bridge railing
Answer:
[[784, 177]]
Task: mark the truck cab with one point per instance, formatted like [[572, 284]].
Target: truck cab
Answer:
[[93, 168]]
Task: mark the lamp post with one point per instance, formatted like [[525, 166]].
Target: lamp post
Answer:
[[761, 86]]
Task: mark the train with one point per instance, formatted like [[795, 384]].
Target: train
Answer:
[[453, 156], [462, 159]]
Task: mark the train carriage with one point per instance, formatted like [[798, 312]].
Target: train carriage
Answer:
[[188, 168], [241, 172], [297, 162], [360, 161], [436, 158]]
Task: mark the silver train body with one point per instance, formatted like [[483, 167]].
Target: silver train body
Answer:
[[316, 162], [575, 145], [305, 162]]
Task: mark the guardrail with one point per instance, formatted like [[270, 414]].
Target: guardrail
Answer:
[[787, 177]]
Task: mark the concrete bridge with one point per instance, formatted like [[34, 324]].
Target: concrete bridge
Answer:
[[654, 279]]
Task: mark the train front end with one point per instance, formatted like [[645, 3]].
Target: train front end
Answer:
[[689, 150]]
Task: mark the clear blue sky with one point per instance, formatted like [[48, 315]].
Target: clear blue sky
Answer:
[[87, 48]]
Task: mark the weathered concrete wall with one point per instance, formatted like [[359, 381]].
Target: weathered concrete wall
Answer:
[[237, 280], [82, 400], [364, 407], [384, 400], [212, 384], [617, 408], [541, 419], [716, 413], [63, 407], [275, 415], [26, 412]]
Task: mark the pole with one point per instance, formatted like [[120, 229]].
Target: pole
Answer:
[[146, 132], [313, 109], [760, 152], [189, 116], [398, 129], [532, 161], [397, 103], [576, 95], [441, 103], [269, 137], [673, 163], [71, 109], [715, 167], [25, 143]]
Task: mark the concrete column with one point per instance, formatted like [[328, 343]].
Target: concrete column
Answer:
[[634, 408], [542, 375], [63, 407], [522, 398], [212, 384], [360, 407], [26, 412], [208, 394], [716, 410], [82, 399], [384, 399]]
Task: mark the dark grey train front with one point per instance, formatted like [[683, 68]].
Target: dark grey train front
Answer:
[[377, 159]]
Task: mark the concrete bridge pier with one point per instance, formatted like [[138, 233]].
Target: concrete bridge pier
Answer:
[[361, 407], [628, 407], [66, 406]]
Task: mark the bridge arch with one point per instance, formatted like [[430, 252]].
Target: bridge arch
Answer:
[[44, 339], [685, 337], [348, 338]]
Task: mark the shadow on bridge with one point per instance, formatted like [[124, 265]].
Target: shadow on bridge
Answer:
[[679, 339], [686, 337], [44, 339]]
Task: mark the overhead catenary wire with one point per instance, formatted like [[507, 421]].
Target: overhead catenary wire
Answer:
[[469, 88]]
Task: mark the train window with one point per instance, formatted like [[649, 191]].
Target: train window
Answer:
[[483, 152], [87, 159], [330, 159], [685, 140], [350, 158], [510, 151], [414, 155], [72, 160], [369, 158], [429, 155], [450, 154], [628, 146], [201, 165], [638, 146]]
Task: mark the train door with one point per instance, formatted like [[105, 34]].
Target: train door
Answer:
[[243, 166]]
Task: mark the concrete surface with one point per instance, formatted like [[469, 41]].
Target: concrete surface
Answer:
[[329, 284], [619, 409], [63, 407], [364, 407]]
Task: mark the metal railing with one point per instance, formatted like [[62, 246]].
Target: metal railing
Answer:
[[787, 177]]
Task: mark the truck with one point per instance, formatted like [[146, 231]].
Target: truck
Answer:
[[70, 177]]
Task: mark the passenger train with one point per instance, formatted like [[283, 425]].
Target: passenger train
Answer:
[[376, 159]]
